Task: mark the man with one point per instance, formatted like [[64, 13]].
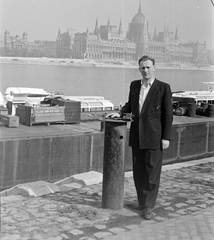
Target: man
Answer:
[[150, 103]]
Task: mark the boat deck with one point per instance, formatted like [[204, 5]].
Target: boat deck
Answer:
[[42, 130]]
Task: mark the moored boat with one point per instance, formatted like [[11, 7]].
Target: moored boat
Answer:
[[2, 101], [198, 97], [37, 96], [199, 102]]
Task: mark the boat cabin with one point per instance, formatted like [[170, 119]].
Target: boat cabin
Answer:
[[197, 97], [92, 103]]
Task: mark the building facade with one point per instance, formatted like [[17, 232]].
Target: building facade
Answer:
[[64, 45], [21, 47], [105, 43]]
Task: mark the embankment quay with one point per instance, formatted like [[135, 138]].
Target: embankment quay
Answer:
[[184, 209], [51, 153]]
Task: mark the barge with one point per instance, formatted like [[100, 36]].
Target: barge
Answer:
[[51, 153], [54, 152]]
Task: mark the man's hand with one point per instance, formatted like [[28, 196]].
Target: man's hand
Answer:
[[113, 115], [165, 144]]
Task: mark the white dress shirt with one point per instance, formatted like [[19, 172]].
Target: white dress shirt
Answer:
[[144, 92]]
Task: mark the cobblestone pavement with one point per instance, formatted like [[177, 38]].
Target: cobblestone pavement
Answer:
[[184, 210]]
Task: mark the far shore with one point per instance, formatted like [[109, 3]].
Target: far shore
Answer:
[[84, 62]]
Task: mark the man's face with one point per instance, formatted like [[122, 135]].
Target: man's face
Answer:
[[147, 69]]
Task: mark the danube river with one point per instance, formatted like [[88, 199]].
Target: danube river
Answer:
[[109, 82]]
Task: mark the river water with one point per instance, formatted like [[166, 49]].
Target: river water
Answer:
[[109, 82]]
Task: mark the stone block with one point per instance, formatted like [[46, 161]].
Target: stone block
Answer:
[[88, 178]]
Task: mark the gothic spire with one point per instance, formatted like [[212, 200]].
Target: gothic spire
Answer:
[[176, 35], [120, 31], [59, 32], [108, 25], [165, 27], [145, 28], [166, 32], [155, 35], [96, 29], [139, 9]]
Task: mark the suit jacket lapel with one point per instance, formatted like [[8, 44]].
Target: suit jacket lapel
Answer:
[[150, 95]]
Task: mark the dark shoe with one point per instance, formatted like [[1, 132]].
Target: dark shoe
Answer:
[[147, 213], [139, 207]]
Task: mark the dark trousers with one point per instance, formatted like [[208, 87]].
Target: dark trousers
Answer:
[[147, 166]]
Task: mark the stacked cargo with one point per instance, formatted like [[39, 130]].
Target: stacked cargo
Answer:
[[30, 115], [72, 109]]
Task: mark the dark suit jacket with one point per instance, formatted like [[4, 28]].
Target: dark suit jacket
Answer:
[[155, 120]]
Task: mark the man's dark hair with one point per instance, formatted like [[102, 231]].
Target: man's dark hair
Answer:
[[145, 58]]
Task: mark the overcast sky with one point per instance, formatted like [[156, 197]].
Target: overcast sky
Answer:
[[42, 19]]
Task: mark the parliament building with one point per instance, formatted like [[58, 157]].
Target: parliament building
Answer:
[[107, 43]]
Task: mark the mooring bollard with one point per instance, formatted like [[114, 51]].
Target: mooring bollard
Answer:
[[113, 164]]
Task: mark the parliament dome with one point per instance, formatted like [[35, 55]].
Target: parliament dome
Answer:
[[139, 18]]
